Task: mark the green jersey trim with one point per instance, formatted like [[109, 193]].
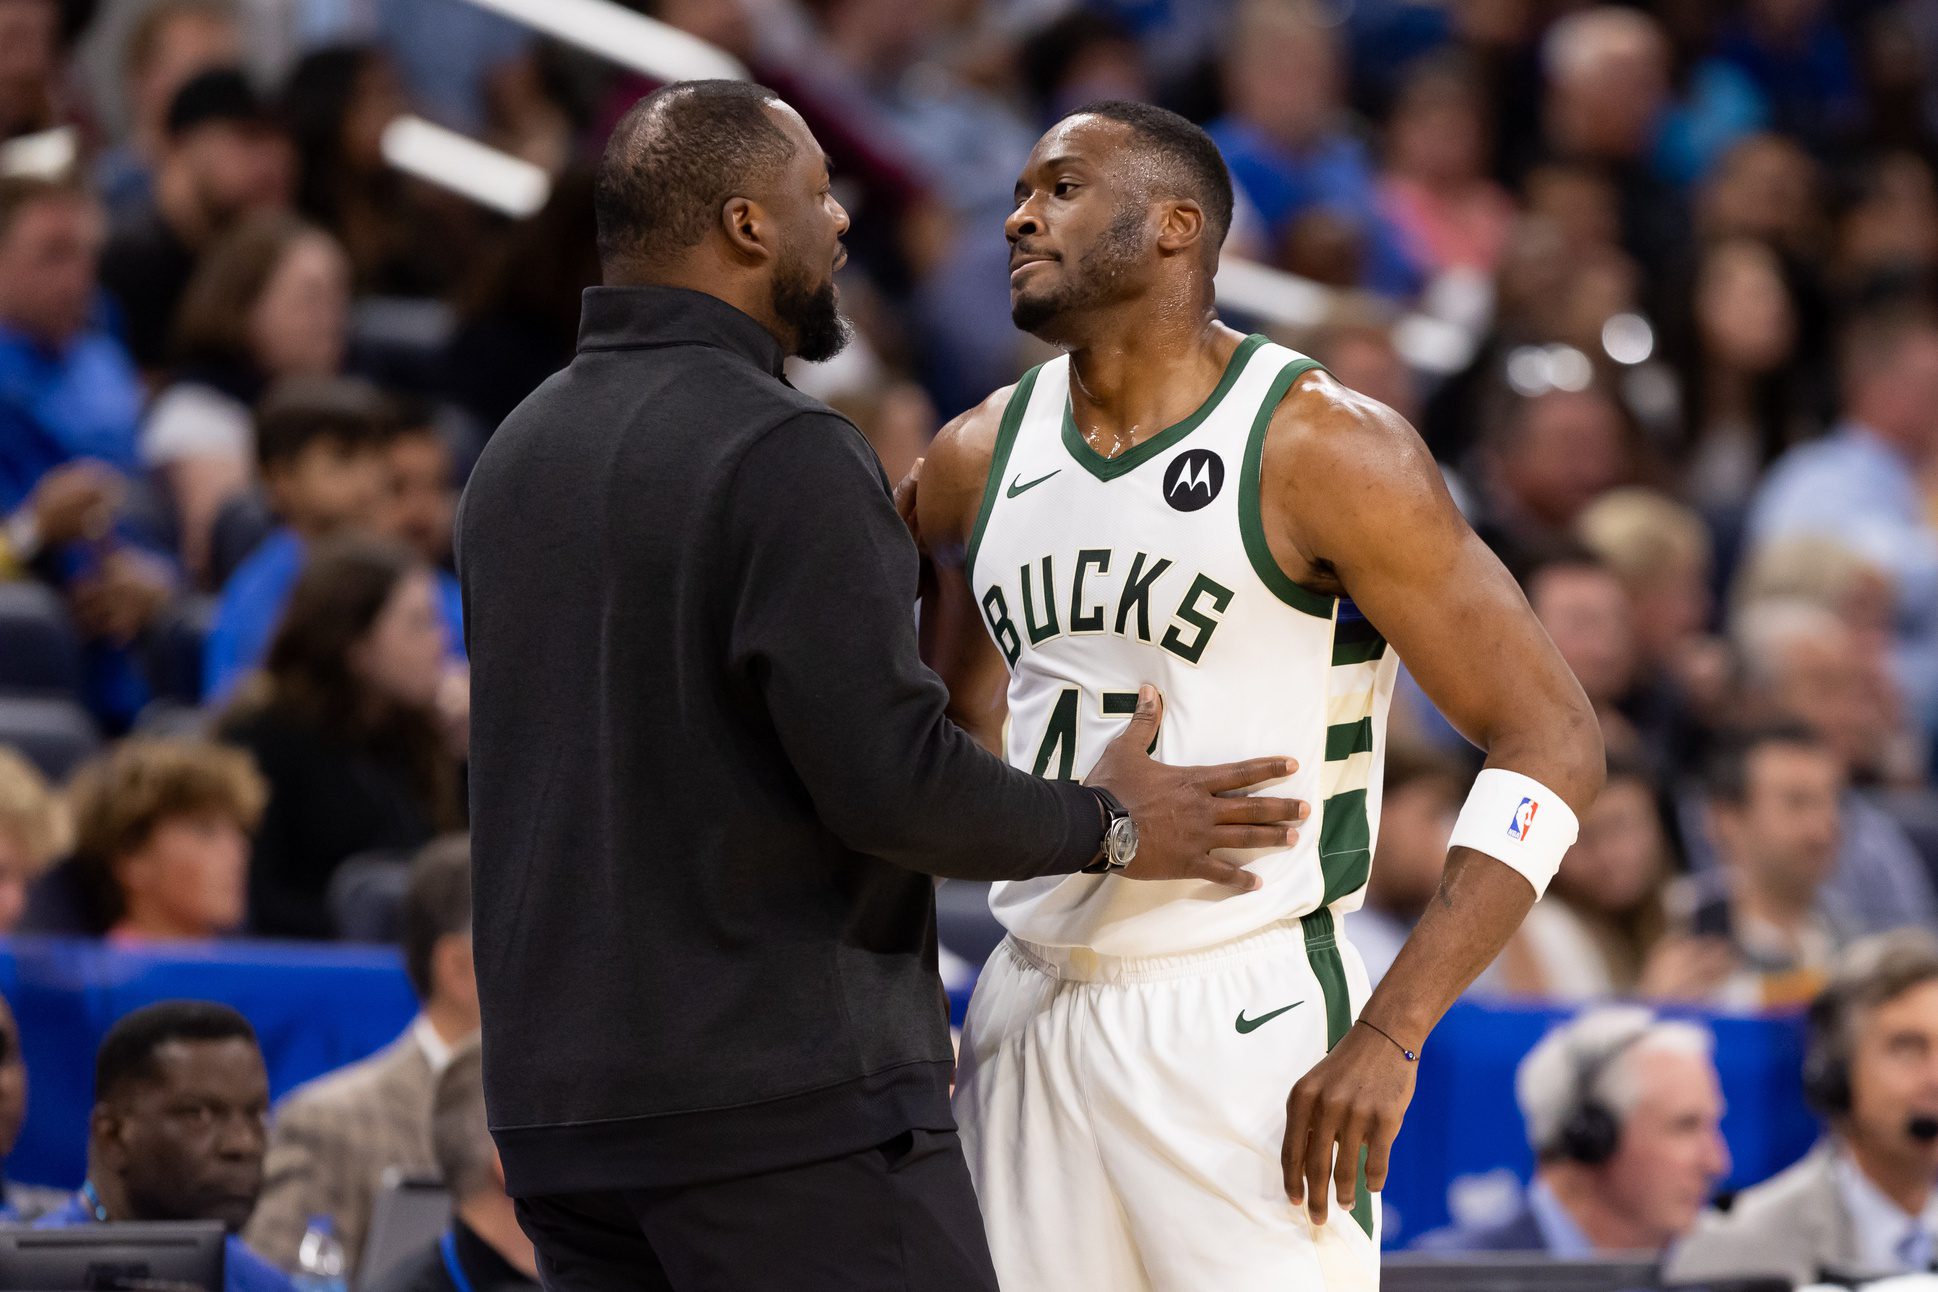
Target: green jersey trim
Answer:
[[1110, 468], [1250, 525], [1322, 953], [1019, 403]]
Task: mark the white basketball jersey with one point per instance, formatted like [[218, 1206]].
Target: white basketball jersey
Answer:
[[1097, 574]]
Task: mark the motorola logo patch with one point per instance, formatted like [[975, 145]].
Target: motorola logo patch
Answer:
[[1193, 479]]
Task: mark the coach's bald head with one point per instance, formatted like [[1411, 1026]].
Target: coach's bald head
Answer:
[[719, 186]]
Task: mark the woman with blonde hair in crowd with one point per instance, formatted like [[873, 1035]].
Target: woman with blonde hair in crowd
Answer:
[[1660, 551], [34, 831], [1820, 570], [162, 837]]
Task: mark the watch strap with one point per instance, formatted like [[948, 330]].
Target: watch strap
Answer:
[[1114, 811], [1113, 806]]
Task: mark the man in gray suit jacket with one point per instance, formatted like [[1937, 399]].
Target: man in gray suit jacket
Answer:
[[333, 1139], [1862, 1203]]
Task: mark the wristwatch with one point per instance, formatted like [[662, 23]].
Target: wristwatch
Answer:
[[1120, 835]]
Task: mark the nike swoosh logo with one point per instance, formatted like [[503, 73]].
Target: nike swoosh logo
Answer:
[[1015, 488], [1245, 1025]]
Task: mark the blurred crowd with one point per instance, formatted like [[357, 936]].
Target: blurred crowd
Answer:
[[1657, 283]]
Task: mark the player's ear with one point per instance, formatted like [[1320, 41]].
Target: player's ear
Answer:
[[749, 228], [1180, 226]]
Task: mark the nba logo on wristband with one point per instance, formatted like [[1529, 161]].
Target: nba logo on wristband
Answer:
[[1523, 820], [1499, 793]]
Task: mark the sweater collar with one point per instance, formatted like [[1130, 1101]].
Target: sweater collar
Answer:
[[636, 318]]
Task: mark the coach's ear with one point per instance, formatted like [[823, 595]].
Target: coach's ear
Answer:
[[1180, 226], [750, 229]]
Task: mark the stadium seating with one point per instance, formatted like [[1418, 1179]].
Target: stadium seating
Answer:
[[39, 651], [53, 732], [367, 896]]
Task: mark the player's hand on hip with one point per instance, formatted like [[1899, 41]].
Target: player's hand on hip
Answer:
[[1352, 1099], [1184, 813]]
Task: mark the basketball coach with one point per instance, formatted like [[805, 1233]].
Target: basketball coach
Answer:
[[711, 779]]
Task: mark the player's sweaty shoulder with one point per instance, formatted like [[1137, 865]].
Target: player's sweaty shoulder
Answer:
[[955, 470], [1325, 436], [1339, 470]]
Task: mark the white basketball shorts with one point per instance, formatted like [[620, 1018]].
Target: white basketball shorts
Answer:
[[1123, 1116]]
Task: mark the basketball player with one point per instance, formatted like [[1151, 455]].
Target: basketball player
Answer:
[[1162, 1085]]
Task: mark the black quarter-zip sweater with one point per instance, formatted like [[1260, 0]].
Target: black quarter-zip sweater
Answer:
[[710, 776]]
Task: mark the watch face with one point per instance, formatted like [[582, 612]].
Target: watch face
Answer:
[[1121, 841]]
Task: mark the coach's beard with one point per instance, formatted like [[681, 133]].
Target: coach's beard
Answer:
[[812, 311]]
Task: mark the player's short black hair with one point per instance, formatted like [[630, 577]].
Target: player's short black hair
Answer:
[[1185, 161], [675, 159], [127, 1054]]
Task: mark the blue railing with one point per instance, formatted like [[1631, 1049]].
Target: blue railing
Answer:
[[319, 1007]]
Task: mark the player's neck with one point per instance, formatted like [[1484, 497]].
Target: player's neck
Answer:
[[1129, 384]]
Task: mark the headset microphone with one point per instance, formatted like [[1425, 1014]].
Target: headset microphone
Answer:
[[1923, 1128]]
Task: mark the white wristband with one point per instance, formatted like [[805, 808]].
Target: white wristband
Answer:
[[1518, 820]]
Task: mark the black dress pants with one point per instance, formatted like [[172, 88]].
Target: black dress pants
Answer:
[[899, 1217]]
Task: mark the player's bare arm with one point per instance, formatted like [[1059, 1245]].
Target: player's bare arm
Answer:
[[953, 641], [1354, 505]]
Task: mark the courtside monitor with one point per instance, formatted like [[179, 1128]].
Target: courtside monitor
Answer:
[[112, 1257], [1513, 1272]]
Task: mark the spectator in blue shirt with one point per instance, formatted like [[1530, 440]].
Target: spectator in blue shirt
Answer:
[[69, 393], [179, 1128], [320, 443], [1863, 485], [336, 458], [1293, 152], [67, 388]]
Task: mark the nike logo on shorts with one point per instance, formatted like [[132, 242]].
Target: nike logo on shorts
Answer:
[[1245, 1025]]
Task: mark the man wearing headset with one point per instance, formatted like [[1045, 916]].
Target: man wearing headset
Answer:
[[1862, 1203], [1622, 1112]]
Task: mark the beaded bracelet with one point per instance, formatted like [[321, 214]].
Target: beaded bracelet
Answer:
[[1411, 1056]]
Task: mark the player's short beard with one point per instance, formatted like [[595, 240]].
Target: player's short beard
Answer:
[[810, 309], [1095, 278]]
